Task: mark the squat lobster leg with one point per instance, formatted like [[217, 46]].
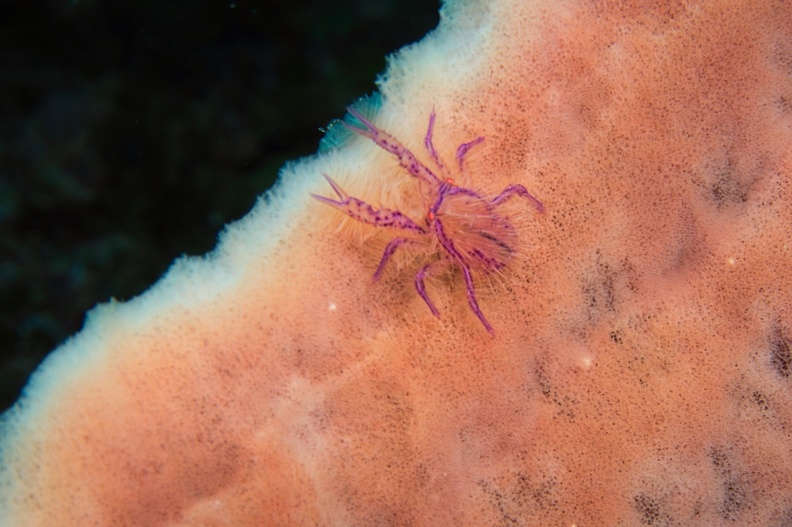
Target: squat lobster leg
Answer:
[[362, 211], [471, 294], [462, 150], [387, 253], [431, 149], [421, 288], [519, 190], [390, 144]]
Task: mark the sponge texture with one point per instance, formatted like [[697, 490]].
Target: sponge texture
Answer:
[[641, 372]]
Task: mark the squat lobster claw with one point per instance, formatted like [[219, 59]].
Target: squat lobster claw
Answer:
[[464, 224], [362, 211]]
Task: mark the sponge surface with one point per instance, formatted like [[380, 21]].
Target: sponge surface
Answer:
[[641, 372]]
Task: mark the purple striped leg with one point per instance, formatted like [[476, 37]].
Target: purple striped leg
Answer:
[[517, 190], [390, 144], [362, 211], [462, 150], [472, 299], [421, 288], [387, 253]]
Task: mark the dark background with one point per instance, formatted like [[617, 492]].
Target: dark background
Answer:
[[131, 131]]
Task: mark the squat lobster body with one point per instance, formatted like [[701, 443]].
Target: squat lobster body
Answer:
[[465, 225]]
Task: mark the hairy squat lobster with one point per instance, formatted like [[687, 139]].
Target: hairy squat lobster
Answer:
[[464, 224]]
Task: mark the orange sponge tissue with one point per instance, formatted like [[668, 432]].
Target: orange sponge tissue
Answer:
[[641, 370]]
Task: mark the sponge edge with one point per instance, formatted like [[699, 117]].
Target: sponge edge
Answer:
[[642, 370]]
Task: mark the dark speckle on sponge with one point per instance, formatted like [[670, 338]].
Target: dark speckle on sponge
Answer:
[[650, 511], [780, 354]]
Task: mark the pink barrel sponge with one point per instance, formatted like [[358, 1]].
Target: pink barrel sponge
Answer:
[[641, 368]]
